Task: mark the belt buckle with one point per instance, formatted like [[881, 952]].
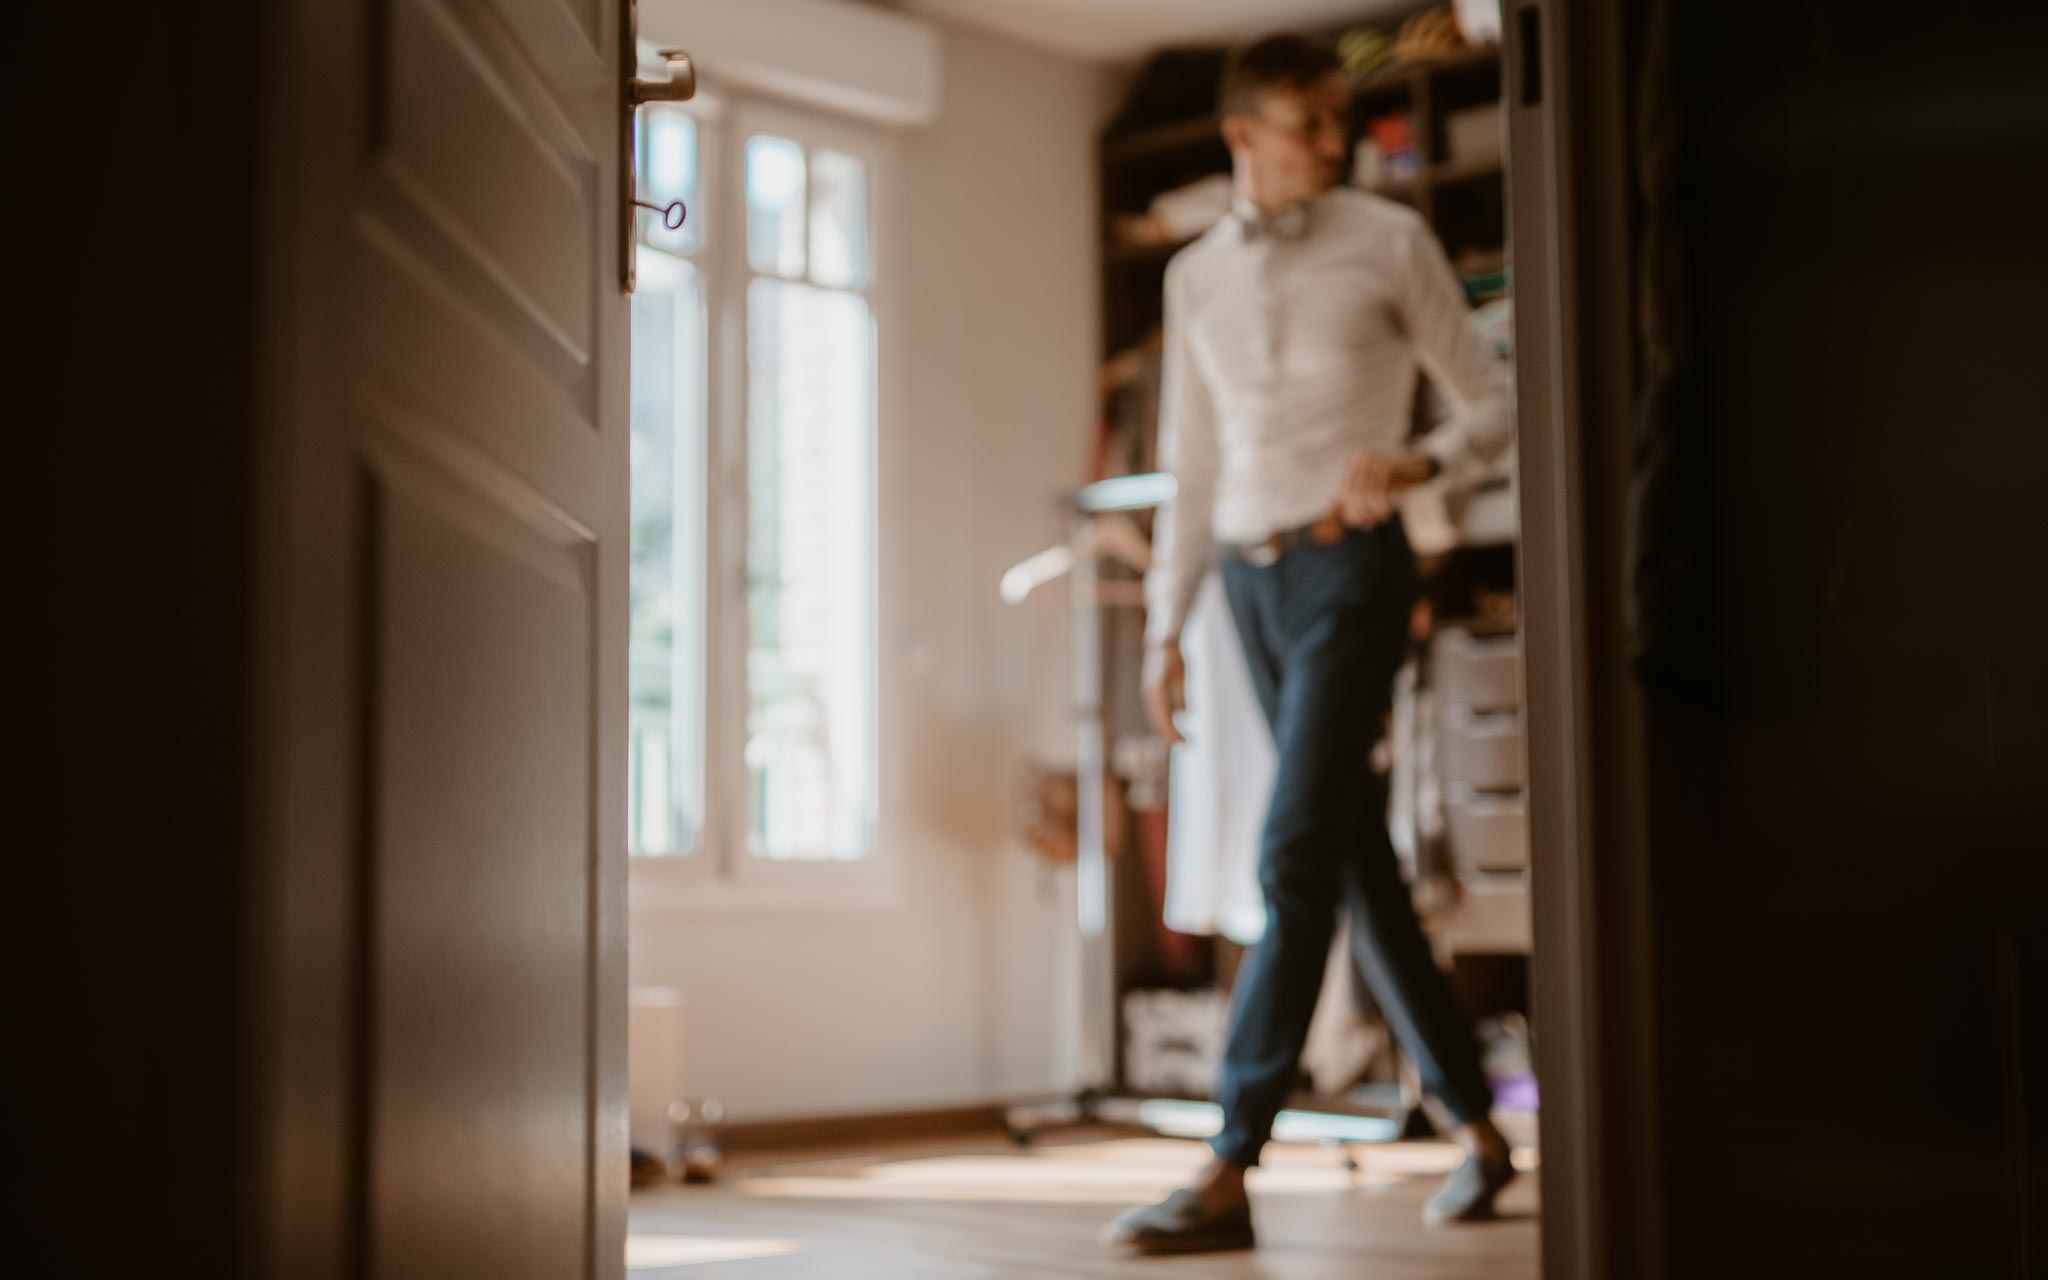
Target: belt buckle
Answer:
[[1261, 554]]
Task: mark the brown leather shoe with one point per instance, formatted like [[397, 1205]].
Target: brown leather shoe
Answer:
[[1180, 1224], [648, 1169]]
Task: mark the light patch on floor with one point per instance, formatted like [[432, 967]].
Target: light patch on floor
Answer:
[[1107, 1173], [653, 1251], [979, 1208]]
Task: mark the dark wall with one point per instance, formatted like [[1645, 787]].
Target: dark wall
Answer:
[[1851, 851], [133, 193]]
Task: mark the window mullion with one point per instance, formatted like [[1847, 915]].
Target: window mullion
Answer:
[[679, 579], [728, 598], [810, 198]]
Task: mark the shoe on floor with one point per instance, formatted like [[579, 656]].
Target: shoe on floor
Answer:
[[1469, 1192], [1179, 1224], [648, 1168]]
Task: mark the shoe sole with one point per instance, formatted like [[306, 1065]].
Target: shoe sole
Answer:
[[1481, 1211], [1168, 1245]]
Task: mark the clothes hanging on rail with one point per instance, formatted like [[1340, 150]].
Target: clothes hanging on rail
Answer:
[[1222, 776]]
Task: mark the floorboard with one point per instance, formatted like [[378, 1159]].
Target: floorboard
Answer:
[[978, 1208]]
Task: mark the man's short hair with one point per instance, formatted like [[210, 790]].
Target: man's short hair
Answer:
[[1274, 62]]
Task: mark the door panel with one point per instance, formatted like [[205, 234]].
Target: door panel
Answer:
[[466, 120], [448, 981], [480, 903]]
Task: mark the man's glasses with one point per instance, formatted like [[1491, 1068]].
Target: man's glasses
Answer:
[[1314, 126]]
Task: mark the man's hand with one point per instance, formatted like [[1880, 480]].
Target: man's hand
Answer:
[[1371, 481], [1165, 680]]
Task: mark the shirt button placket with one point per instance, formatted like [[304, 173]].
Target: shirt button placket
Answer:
[[1269, 312]]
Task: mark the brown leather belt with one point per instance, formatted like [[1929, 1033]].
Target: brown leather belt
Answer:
[[1325, 532]]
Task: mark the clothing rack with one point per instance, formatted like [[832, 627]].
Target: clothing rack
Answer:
[[1098, 1099]]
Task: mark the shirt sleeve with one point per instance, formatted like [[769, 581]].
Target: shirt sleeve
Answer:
[[1183, 545], [1458, 362]]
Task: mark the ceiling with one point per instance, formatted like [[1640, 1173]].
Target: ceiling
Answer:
[[1122, 30]]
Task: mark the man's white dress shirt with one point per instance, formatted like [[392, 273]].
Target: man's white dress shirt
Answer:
[[1290, 345]]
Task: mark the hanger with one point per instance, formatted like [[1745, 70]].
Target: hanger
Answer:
[[1111, 535]]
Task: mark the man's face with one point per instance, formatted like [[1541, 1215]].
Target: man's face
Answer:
[[1292, 146]]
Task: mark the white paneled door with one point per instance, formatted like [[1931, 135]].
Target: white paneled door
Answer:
[[445, 542]]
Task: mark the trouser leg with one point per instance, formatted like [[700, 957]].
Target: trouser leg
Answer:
[[1327, 627]]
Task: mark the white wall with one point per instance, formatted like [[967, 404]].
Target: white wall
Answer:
[[856, 58], [960, 991]]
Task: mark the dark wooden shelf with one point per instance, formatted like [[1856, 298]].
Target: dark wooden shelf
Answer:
[[1405, 189], [1450, 175], [1185, 135], [1407, 72], [1182, 135], [1142, 254]]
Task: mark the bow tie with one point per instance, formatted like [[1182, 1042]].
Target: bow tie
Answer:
[[1290, 223]]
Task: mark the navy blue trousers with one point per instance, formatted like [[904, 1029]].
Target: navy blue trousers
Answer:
[[1325, 629]]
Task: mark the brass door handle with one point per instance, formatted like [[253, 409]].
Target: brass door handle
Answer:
[[680, 86]]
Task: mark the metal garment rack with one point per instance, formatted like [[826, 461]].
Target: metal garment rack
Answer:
[[1097, 1100]]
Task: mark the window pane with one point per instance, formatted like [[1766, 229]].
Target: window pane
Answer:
[[775, 205], [669, 172], [666, 657], [810, 548], [839, 220]]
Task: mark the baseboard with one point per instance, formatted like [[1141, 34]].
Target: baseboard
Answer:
[[863, 1127]]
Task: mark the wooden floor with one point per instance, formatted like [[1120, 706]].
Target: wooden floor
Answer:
[[981, 1209]]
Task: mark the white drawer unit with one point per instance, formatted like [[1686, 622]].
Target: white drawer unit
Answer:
[[1488, 832], [1478, 673], [1474, 135], [1476, 682], [1481, 751], [1173, 1040], [1491, 918]]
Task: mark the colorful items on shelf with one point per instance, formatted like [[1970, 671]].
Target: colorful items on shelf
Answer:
[[1364, 50], [1485, 286], [1479, 21], [1388, 153], [1495, 322], [1433, 33], [1483, 273]]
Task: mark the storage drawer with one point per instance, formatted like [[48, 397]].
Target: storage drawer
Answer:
[[1474, 135], [1488, 832], [1484, 674], [1482, 751], [1173, 1040], [1491, 919]]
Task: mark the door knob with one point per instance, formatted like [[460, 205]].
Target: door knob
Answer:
[[680, 86]]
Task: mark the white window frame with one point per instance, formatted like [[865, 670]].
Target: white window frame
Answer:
[[720, 875], [704, 114]]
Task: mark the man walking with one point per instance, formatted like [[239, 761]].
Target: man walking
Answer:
[[1294, 330]]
